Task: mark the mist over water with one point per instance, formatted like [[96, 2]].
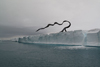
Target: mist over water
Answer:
[[14, 54]]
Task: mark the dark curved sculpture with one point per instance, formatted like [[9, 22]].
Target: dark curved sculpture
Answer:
[[64, 29]]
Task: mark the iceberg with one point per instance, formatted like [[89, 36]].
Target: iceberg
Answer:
[[93, 37], [15, 39], [77, 37]]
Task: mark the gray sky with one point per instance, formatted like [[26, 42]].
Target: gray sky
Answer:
[[21, 15]]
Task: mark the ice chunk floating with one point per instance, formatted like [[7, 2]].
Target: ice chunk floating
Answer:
[[77, 37]]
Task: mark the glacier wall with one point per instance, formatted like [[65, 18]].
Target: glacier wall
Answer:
[[77, 37]]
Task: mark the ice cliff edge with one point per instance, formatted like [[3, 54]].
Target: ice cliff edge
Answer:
[[77, 37]]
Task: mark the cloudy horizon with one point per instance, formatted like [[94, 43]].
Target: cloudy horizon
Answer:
[[15, 15]]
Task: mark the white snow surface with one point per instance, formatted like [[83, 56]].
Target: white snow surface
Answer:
[[77, 37]]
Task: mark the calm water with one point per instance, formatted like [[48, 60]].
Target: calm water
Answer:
[[13, 54]]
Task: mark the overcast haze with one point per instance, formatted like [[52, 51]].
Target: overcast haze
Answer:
[[23, 17]]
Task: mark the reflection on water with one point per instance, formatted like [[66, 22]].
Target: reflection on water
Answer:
[[39, 55], [74, 47]]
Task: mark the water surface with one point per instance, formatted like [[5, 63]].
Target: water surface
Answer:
[[13, 54]]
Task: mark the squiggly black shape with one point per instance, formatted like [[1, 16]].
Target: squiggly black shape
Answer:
[[64, 29]]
